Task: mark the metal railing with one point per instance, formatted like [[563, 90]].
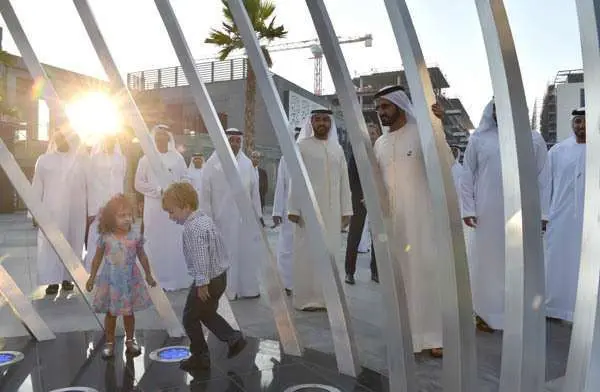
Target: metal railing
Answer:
[[215, 71]]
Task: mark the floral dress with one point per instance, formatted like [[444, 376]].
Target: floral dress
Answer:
[[120, 287]]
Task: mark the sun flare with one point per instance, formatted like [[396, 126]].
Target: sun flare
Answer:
[[94, 115]]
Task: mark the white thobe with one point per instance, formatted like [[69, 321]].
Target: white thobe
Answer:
[[402, 165], [481, 197], [59, 182], [562, 240], [243, 244], [163, 236], [195, 177], [328, 173], [364, 246], [105, 179], [285, 241]]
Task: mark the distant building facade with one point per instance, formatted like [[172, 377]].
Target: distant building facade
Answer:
[[561, 97]]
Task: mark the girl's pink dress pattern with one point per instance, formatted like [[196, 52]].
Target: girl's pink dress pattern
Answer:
[[120, 288]]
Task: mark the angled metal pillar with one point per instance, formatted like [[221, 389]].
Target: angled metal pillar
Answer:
[[460, 362], [401, 364], [159, 298], [66, 254], [270, 273], [21, 306], [337, 308], [524, 341], [584, 355]]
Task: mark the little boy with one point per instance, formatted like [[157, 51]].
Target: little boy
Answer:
[[207, 263]]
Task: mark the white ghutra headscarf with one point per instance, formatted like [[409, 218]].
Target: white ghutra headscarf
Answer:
[[397, 96], [487, 122], [307, 130]]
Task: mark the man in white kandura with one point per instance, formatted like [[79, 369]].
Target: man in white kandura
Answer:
[[328, 173], [163, 236], [457, 168], [482, 205], [59, 183], [243, 244], [195, 172], [285, 241], [402, 166], [563, 199], [106, 178]]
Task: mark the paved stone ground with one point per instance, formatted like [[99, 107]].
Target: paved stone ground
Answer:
[[67, 312]]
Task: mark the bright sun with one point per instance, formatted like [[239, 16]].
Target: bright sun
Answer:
[[94, 115]]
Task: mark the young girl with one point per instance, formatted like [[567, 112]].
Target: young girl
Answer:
[[120, 287]]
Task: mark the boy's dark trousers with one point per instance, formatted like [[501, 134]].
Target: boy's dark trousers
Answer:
[[357, 224], [198, 312]]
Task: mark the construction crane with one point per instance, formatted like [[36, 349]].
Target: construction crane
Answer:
[[317, 52]]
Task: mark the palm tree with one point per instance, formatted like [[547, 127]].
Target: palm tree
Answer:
[[261, 13], [6, 61]]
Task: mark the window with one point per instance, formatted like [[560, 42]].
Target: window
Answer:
[[21, 135], [43, 131]]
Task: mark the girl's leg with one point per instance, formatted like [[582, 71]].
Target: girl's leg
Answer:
[[110, 324], [131, 346], [129, 323]]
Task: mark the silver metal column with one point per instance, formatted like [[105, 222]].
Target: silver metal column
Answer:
[[45, 222], [66, 254], [271, 279], [584, 355], [22, 307], [460, 363], [337, 309], [401, 364], [524, 342], [159, 298]]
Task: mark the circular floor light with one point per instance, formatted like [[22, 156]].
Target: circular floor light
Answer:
[[312, 388], [8, 358], [171, 354]]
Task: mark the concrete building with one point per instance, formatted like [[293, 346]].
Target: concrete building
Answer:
[[562, 96]]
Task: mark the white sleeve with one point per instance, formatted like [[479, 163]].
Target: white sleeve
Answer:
[[544, 173], [143, 182], [255, 197], [205, 202], [467, 180], [279, 200], [346, 195]]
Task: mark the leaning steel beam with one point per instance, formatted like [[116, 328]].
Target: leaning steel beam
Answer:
[[460, 362], [524, 341], [158, 296], [584, 355], [337, 309], [401, 364], [66, 254], [21, 306], [275, 291], [45, 222]]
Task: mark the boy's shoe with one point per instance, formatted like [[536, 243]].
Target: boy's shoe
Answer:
[[67, 286], [236, 344], [195, 363]]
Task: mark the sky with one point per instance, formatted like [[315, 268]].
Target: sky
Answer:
[[545, 32]]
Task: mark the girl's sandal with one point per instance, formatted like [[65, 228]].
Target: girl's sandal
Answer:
[[108, 351], [132, 348]]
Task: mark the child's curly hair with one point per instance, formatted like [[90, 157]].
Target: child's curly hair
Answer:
[[108, 214]]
